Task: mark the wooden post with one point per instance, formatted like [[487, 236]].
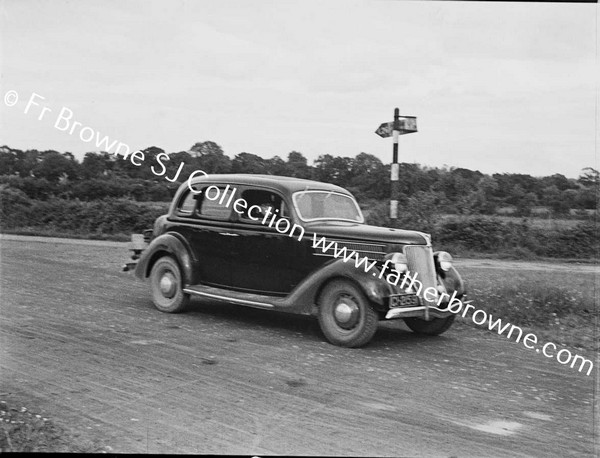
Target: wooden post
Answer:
[[395, 169]]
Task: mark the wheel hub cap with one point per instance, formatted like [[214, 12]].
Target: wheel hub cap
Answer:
[[346, 314], [167, 285]]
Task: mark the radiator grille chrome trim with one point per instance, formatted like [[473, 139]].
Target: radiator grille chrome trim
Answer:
[[369, 250], [420, 260]]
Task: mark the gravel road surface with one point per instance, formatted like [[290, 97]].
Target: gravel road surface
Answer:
[[81, 341]]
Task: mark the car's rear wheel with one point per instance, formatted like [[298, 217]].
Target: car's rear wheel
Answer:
[[345, 315], [166, 284], [430, 328]]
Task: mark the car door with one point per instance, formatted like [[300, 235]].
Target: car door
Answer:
[[264, 259], [209, 230]]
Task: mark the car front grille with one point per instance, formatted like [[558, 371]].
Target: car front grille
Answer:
[[420, 260], [368, 250]]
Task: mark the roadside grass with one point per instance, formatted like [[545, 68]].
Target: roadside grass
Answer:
[[34, 231], [559, 306], [515, 253], [548, 223], [23, 431]]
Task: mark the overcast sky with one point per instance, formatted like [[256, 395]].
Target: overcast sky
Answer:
[[498, 87]]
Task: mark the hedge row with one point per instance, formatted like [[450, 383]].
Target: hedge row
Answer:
[[99, 217], [460, 235], [489, 235], [468, 235], [93, 189]]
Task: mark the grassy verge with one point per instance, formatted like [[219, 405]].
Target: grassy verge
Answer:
[[119, 237], [559, 306], [22, 430]]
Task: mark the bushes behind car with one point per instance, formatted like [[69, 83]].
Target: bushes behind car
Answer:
[[471, 235], [93, 189], [66, 216], [461, 235]]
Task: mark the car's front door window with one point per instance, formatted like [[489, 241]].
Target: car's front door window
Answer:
[[262, 206]]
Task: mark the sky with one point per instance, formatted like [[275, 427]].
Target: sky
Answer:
[[497, 87]]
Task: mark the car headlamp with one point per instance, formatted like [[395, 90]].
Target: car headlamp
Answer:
[[445, 260], [399, 261]]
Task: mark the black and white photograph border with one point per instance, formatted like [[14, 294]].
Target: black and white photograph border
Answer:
[[325, 228]]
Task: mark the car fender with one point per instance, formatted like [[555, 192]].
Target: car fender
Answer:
[[305, 296], [376, 289], [453, 282], [172, 244]]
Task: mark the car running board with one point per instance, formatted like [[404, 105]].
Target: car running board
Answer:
[[235, 297]]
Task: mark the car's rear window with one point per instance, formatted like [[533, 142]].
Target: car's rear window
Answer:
[[188, 204]]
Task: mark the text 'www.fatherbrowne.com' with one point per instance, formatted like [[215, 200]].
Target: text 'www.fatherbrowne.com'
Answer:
[[456, 306]]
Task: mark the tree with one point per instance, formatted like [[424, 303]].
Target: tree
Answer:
[[210, 158], [590, 177], [276, 166], [369, 177], [332, 169], [526, 203], [560, 181], [26, 161], [95, 165], [248, 163], [8, 161], [297, 165], [482, 200], [455, 184], [556, 200], [150, 154], [173, 164], [55, 166]]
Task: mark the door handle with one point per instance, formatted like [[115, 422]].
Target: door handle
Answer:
[[229, 234]]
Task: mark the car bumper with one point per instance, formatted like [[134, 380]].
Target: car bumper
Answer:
[[420, 297], [421, 311], [408, 305], [129, 266], [138, 244]]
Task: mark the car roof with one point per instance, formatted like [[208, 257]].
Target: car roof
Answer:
[[280, 183]]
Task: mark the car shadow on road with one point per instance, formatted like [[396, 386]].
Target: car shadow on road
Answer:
[[301, 327], [395, 332]]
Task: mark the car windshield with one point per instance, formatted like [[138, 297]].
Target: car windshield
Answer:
[[319, 205]]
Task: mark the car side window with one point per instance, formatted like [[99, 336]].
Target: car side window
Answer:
[[213, 204], [187, 205], [261, 204]]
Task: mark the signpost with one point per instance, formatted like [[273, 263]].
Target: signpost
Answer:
[[399, 126], [408, 125]]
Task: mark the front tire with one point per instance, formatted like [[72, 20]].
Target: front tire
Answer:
[[345, 315], [166, 283], [430, 328]]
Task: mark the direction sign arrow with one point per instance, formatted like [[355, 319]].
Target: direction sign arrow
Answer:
[[385, 130], [408, 125]]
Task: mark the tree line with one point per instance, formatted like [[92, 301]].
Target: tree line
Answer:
[[43, 175]]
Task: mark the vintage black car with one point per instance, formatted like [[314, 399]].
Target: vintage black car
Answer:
[[297, 246]]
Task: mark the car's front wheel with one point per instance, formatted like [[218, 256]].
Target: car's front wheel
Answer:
[[430, 328], [345, 315], [165, 281]]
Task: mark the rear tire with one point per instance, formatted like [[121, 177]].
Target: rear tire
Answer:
[[166, 283], [430, 328], [345, 315]]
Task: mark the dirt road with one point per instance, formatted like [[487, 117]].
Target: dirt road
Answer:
[[82, 341]]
